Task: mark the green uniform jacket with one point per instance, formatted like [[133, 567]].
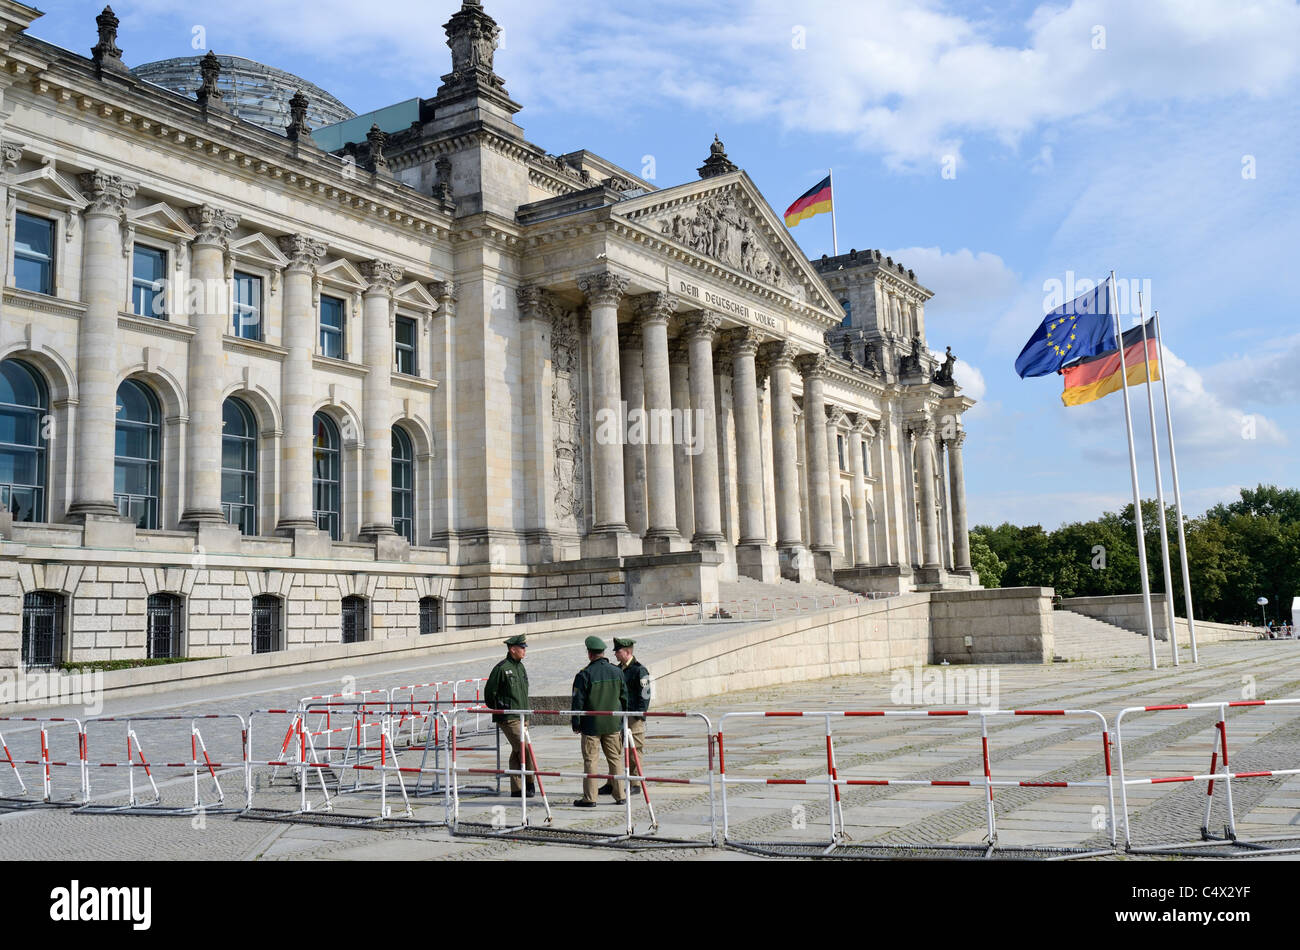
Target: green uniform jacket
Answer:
[[507, 688], [638, 686], [599, 686]]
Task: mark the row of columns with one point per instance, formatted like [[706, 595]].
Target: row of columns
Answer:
[[207, 378]]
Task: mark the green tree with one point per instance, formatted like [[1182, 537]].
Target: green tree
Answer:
[[987, 564]]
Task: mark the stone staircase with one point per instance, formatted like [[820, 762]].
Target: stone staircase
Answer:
[[1082, 638], [746, 588]]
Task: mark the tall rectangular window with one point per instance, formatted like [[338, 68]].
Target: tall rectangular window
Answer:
[[405, 337], [866, 464], [332, 312], [839, 445], [248, 306], [148, 280], [33, 253]]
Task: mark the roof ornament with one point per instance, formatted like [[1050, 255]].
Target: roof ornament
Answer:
[[106, 55], [377, 140], [298, 127], [717, 163], [211, 98]]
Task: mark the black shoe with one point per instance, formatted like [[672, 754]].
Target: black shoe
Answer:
[[620, 801], [583, 803], [532, 793], [605, 789]]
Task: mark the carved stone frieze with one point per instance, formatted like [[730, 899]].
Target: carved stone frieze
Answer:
[[717, 227]]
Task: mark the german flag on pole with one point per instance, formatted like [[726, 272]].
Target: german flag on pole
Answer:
[[1098, 376], [816, 200]]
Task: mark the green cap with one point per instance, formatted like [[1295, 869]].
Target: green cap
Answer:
[[518, 640], [621, 644], [596, 644]]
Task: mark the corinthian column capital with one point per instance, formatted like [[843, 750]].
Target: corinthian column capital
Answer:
[[214, 225], [535, 302], [604, 289], [108, 194], [812, 365], [381, 276], [302, 251], [742, 341], [702, 325], [957, 440], [654, 308]]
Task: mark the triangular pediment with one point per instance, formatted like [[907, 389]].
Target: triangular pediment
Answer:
[[342, 272], [161, 219], [48, 185], [727, 220], [415, 296], [258, 247]]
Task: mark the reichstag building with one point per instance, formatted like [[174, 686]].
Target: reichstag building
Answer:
[[265, 386]]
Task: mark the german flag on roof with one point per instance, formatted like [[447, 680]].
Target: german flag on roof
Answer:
[[816, 200]]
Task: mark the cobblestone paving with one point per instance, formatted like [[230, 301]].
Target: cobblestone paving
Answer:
[[1037, 749]]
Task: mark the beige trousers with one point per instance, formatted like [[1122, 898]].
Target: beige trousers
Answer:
[[592, 747]]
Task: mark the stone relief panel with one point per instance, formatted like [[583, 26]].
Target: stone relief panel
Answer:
[[567, 418], [717, 227]]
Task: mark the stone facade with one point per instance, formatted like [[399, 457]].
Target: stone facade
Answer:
[[548, 388]]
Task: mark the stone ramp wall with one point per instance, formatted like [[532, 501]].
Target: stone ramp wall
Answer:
[[1125, 610]]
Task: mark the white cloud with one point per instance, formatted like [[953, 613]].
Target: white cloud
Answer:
[[1268, 377], [907, 78], [964, 282]]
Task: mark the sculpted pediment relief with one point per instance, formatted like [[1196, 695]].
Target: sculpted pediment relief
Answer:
[[719, 228]]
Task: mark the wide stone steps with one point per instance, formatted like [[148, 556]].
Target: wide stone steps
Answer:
[[1082, 638]]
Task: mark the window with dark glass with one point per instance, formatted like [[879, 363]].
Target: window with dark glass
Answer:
[[24, 409], [148, 280], [866, 464], [839, 445], [166, 626], [267, 634], [43, 618], [405, 337], [332, 314], [403, 485], [354, 619], [327, 477], [33, 253], [137, 454], [430, 615], [848, 313], [247, 306], [239, 466]]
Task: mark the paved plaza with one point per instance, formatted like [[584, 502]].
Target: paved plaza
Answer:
[[1031, 749]]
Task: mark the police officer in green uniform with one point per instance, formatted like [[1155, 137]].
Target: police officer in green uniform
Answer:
[[600, 686], [507, 688], [637, 678]]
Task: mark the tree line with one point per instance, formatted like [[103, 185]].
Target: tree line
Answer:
[[1236, 553]]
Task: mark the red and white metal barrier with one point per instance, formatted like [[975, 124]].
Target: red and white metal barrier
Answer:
[[834, 781], [187, 751], [531, 771], [44, 759], [1219, 772]]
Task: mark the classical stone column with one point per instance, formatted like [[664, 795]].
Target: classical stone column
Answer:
[[662, 535], [102, 274], [632, 382], [957, 494], [754, 556], [929, 523], [860, 432], [207, 360], [377, 315], [609, 534], [299, 337], [700, 328], [813, 368], [833, 424], [679, 374], [537, 311], [779, 357]]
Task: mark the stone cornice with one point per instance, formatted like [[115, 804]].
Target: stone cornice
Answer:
[[254, 348], [161, 120], [43, 304], [339, 366], [161, 328]]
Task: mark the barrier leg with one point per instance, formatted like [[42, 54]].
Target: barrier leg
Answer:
[[988, 783], [10, 759], [645, 787], [1209, 795], [833, 789], [839, 804], [45, 762], [627, 777], [530, 756], [1227, 772], [144, 763]]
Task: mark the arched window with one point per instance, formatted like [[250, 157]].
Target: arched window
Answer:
[[403, 485], [43, 613], [267, 632], [166, 626], [430, 614], [239, 466], [327, 480], [24, 405], [137, 454], [354, 619]]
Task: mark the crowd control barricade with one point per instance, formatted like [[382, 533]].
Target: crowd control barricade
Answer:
[[51, 752], [838, 843], [523, 827], [165, 765], [1220, 777], [366, 786]]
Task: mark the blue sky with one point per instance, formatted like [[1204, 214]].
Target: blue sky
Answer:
[[1159, 139]]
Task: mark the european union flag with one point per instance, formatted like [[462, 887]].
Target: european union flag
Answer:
[[1081, 328]]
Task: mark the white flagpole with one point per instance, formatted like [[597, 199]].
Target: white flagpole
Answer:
[[1133, 471], [1160, 490], [1178, 495], [835, 238]]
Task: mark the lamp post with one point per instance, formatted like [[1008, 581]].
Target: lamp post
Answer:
[[1263, 602]]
